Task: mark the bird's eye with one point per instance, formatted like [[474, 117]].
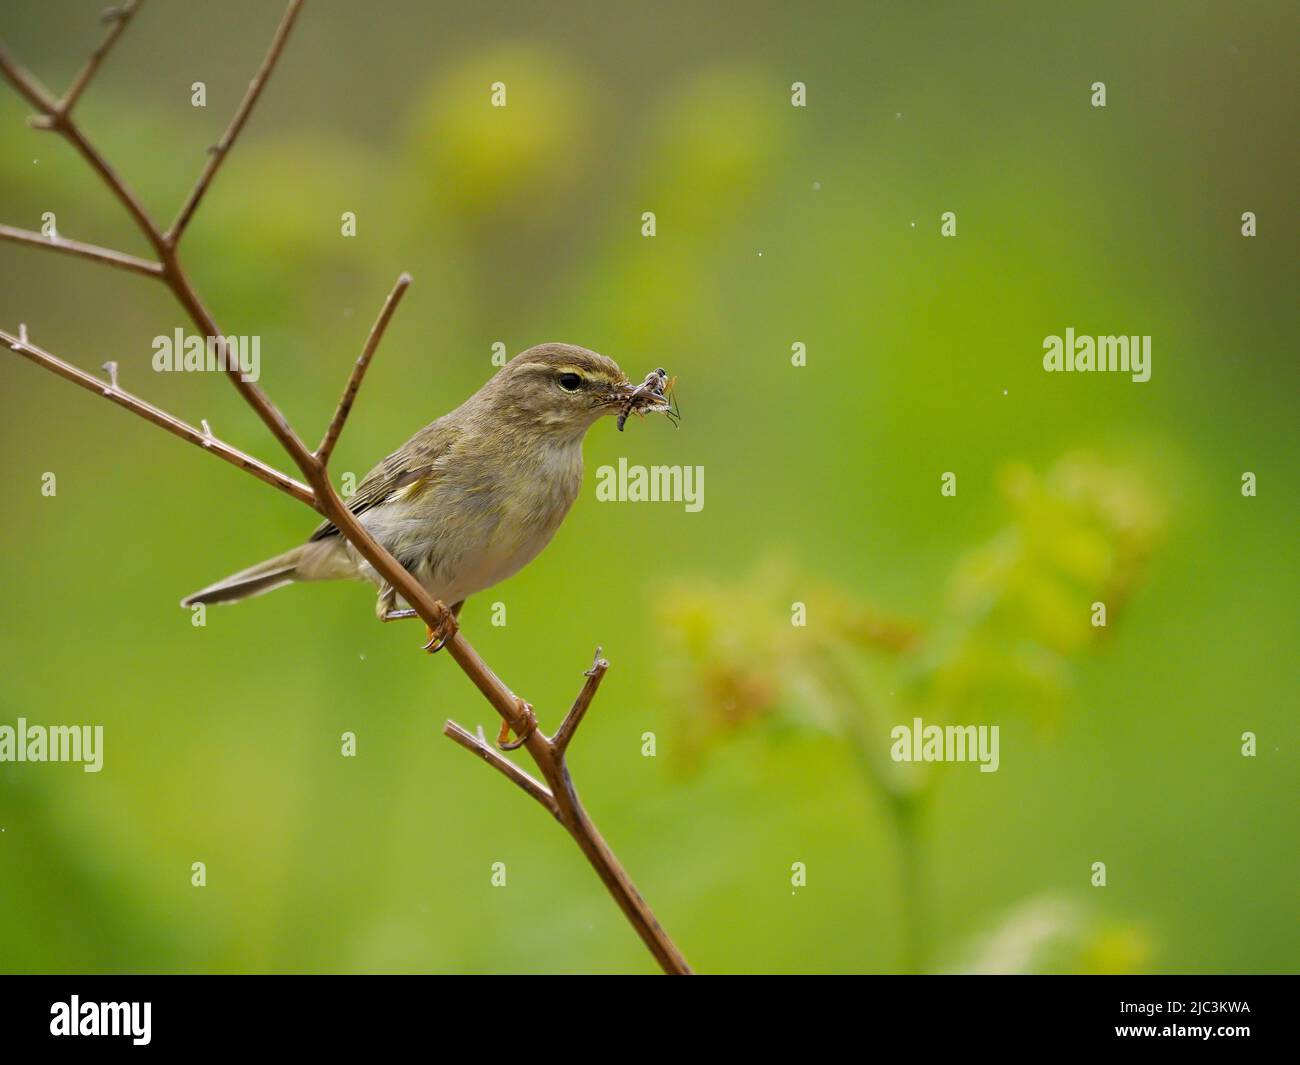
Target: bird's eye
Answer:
[[570, 382]]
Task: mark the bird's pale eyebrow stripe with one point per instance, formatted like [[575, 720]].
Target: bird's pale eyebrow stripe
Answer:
[[591, 373]]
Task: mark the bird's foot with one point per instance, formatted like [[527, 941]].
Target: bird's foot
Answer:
[[445, 630], [530, 726]]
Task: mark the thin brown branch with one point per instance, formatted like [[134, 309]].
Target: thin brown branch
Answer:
[[344, 408], [564, 734], [173, 273], [319, 493], [549, 755], [26, 83], [146, 410], [52, 118], [114, 181], [119, 16], [478, 745], [83, 251], [217, 154]]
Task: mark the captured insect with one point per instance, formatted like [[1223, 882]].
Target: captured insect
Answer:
[[653, 395]]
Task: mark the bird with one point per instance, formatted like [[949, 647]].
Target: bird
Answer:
[[473, 497]]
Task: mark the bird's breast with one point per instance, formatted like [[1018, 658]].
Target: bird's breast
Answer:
[[489, 530]]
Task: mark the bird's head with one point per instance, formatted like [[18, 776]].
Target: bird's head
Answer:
[[558, 389]]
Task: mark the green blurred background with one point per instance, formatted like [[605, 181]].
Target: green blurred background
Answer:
[[776, 225]]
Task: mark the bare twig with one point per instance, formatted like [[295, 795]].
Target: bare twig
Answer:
[[84, 251], [320, 494], [110, 391], [564, 734], [549, 754], [36, 94], [479, 746], [217, 153], [51, 118], [359, 370], [119, 17]]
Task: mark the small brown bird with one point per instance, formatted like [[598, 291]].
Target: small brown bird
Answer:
[[471, 499]]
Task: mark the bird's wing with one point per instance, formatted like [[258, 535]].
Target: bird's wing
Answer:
[[406, 469]]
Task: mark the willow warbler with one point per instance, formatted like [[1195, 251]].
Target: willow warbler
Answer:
[[472, 498]]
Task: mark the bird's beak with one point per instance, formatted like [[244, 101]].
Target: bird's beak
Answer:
[[619, 393]]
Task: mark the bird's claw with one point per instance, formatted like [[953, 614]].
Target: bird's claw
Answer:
[[530, 725], [438, 637]]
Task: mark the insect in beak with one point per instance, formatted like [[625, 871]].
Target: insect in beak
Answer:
[[653, 395]]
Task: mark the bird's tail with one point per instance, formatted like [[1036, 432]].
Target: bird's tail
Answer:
[[264, 577]]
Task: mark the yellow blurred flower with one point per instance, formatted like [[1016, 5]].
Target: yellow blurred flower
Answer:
[[1019, 607], [484, 159]]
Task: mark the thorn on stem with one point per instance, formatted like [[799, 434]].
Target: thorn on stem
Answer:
[[111, 369]]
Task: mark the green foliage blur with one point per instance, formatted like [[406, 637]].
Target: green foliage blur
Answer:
[[775, 225]]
